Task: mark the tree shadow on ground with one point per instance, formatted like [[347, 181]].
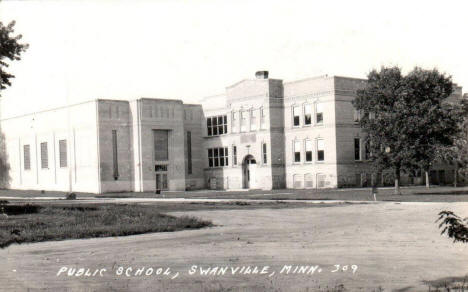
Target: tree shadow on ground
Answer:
[[460, 192], [449, 284]]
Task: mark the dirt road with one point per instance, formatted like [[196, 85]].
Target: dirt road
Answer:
[[391, 245]]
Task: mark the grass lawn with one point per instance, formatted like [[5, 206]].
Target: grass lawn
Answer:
[[409, 194], [34, 223]]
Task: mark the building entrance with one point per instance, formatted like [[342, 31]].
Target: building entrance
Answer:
[[161, 177], [249, 166]]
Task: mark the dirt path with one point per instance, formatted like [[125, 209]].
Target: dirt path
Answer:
[[393, 245]]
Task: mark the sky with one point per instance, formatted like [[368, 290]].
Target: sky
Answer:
[[83, 50]]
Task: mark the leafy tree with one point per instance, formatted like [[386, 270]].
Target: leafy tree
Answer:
[[436, 125], [406, 119], [384, 117], [10, 49], [457, 154], [454, 226]]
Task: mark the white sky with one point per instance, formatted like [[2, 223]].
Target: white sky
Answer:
[[190, 49]]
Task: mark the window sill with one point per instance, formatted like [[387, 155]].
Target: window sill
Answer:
[[216, 167], [214, 136]]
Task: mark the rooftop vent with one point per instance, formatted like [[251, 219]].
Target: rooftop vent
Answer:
[[261, 74]]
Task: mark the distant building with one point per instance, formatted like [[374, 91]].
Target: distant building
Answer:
[[261, 133]]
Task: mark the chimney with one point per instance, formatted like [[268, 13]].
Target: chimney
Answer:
[[261, 74]]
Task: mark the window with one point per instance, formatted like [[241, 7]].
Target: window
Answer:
[[210, 158], [114, 155], [319, 113], [297, 151], [218, 157], [262, 119], [296, 114], [320, 150], [216, 125], [297, 181], [357, 115], [63, 153], [222, 125], [308, 180], [357, 149], [161, 147], [366, 115], [189, 152], [307, 114], [308, 150], [27, 157], [44, 156], [253, 120], [367, 150], [160, 167], [234, 155], [234, 122], [243, 121], [221, 156], [208, 126], [264, 153]]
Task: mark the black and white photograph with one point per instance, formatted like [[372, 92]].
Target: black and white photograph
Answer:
[[215, 145]]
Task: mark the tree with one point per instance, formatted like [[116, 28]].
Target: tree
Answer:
[[454, 226], [457, 154], [381, 97], [405, 118], [437, 124], [10, 49]]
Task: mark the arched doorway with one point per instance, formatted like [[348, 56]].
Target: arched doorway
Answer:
[[249, 165]]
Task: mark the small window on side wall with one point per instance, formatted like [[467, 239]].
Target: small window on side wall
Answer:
[[357, 115], [264, 153], [27, 157], [357, 149], [262, 119], [63, 153], [44, 156]]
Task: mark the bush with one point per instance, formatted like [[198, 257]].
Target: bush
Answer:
[[71, 196]]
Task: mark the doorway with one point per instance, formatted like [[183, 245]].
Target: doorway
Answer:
[[161, 177], [249, 166]]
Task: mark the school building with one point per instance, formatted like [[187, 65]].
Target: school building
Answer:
[[261, 133]]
